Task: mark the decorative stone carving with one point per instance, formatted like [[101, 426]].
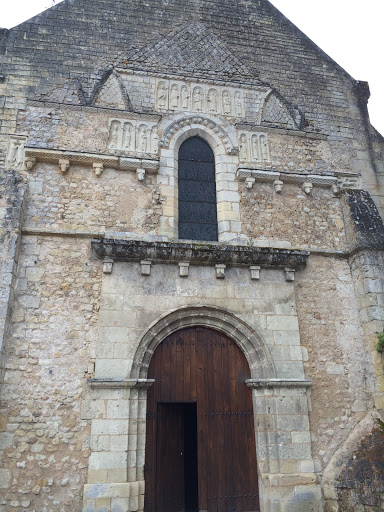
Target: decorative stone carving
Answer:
[[307, 186], [133, 136], [254, 147], [208, 98], [162, 95], [336, 190], [197, 120], [278, 186], [127, 136], [184, 269], [113, 138], [63, 165], [348, 181], [174, 99], [227, 103], [142, 139], [30, 163], [212, 101], [98, 168], [154, 140], [140, 174], [198, 99], [15, 154], [145, 267], [185, 97], [249, 182]]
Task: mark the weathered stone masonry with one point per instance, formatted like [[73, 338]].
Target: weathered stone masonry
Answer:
[[96, 99]]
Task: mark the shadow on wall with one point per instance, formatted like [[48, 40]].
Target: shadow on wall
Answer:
[[360, 485]]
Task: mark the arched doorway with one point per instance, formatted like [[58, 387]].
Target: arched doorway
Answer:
[[200, 441]]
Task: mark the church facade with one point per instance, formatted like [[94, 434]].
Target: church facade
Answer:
[[192, 265]]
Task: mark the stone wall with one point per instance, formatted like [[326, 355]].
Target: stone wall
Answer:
[[44, 443]]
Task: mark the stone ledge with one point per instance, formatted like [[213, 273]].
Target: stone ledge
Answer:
[[120, 383], [278, 383], [90, 159], [198, 254]]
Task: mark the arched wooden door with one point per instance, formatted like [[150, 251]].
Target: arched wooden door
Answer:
[[200, 441]]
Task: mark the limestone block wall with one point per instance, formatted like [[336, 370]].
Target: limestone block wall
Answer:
[[44, 442], [307, 221], [79, 201]]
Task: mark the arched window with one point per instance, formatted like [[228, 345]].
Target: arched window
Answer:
[[197, 191]]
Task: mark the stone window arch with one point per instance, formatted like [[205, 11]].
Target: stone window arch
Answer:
[[197, 191], [225, 153]]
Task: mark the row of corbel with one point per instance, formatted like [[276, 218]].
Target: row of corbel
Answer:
[[146, 267], [306, 182], [98, 163]]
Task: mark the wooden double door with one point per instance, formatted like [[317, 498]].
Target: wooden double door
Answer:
[[200, 441]]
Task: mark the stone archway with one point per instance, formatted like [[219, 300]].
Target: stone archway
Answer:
[[252, 346], [220, 138], [280, 405]]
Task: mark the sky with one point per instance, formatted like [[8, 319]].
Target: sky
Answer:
[[349, 31]]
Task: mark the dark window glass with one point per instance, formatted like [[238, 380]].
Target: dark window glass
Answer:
[[197, 191]]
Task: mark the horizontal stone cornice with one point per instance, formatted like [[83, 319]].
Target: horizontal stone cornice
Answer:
[[278, 383], [120, 383], [198, 254]]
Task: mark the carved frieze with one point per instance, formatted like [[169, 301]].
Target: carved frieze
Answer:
[[199, 97], [133, 136], [254, 148]]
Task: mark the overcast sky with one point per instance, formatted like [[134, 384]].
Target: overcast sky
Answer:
[[350, 31]]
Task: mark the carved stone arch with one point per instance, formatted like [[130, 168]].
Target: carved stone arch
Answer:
[[277, 111], [179, 131], [112, 80], [251, 344]]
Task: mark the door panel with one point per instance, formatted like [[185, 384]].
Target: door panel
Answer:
[[170, 459], [204, 366]]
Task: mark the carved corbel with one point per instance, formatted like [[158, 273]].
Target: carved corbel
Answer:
[[307, 186], [255, 272], [249, 182], [336, 190], [107, 266], [289, 274], [63, 165], [278, 186], [140, 173], [30, 163], [98, 168], [220, 271], [184, 269], [145, 267]]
